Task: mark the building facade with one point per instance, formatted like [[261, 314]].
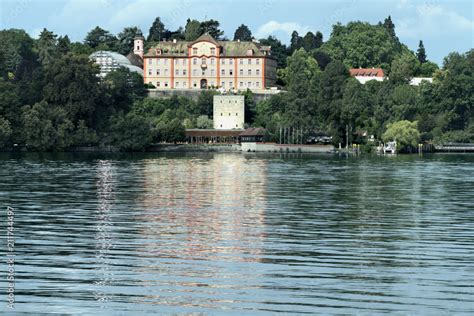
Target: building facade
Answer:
[[229, 112], [207, 63]]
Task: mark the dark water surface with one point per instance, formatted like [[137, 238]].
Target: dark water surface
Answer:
[[239, 234]]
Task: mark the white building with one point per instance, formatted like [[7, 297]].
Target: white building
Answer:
[[417, 80], [229, 111]]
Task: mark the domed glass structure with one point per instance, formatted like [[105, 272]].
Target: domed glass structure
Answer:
[[109, 61]]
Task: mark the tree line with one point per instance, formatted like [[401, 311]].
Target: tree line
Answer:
[[51, 97]]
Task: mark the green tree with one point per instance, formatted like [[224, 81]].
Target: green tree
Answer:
[[428, 69], [322, 58], [204, 122], [212, 28], [125, 39], [192, 30], [403, 68], [308, 42], [421, 53], [5, 131], [17, 55], [243, 33], [46, 127], [296, 41], [72, 82], [405, 133], [279, 50], [318, 40], [390, 27], [124, 88], [300, 71], [99, 38], [131, 132], [47, 49], [63, 46], [360, 44], [157, 31]]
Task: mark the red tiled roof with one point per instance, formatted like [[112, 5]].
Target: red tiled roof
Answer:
[[367, 72]]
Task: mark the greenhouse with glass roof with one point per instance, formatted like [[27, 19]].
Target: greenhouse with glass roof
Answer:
[[109, 61]]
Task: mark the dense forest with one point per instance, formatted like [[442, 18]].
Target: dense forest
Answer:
[[51, 97]]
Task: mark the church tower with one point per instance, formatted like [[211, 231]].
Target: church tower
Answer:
[[138, 44]]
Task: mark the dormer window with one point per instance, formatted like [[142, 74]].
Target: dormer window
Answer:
[[195, 51]]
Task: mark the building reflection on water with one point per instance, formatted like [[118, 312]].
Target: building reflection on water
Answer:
[[213, 206], [104, 241], [201, 210]]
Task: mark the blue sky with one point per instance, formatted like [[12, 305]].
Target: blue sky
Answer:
[[444, 26]]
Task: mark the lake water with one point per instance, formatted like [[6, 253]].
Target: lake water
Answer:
[[139, 234]]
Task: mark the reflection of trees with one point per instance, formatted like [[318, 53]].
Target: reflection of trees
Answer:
[[345, 211]]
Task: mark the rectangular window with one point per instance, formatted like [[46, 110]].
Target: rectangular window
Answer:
[[149, 72], [241, 72], [222, 72], [241, 61], [166, 72], [231, 84], [195, 51], [258, 61], [241, 84], [176, 61], [194, 72], [249, 61], [223, 84], [165, 61], [176, 72], [212, 61], [258, 72], [158, 84], [213, 51], [195, 61], [150, 61], [184, 61], [184, 72], [257, 83], [176, 84], [212, 72], [203, 72], [231, 61], [157, 72], [249, 84], [203, 61], [166, 84], [184, 83], [250, 72], [231, 72], [223, 61]]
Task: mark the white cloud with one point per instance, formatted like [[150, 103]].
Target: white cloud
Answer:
[[432, 20], [272, 27]]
